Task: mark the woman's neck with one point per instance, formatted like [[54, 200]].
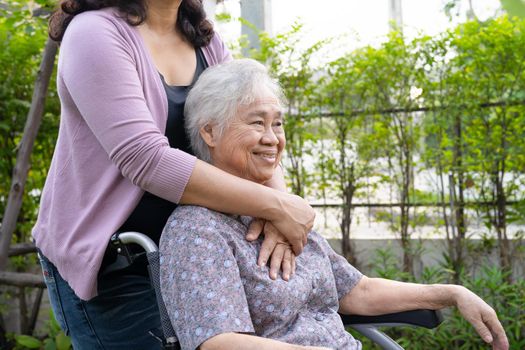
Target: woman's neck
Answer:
[[162, 15]]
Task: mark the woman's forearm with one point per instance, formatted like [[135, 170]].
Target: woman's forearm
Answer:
[[236, 341], [215, 189], [376, 296]]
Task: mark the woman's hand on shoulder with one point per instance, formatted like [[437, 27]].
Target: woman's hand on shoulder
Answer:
[[274, 247], [295, 206], [294, 220], [482, 317]]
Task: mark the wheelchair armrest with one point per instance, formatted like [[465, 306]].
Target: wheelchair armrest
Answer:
[[420, 318]]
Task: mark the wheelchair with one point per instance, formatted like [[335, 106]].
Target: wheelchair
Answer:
[[368, 326]]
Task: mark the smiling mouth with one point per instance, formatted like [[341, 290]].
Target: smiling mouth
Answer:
[[268, 156]]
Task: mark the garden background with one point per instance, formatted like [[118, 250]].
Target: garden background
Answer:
[[423, 138]]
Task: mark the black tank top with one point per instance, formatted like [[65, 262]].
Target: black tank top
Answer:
[[152, 212]]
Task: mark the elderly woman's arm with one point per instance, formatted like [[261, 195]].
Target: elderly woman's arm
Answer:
[[375, 296], [236, 341]]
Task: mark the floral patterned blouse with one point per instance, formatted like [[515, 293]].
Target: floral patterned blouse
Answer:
[[211, 284]]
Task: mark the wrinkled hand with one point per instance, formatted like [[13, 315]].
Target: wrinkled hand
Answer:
[[275, 246], [483, 318]]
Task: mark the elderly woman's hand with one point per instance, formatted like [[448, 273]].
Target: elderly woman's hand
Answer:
[[482, 317], [274, 246]]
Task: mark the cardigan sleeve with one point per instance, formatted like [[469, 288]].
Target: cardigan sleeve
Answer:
[[102, 71], [216, 51], [225, 53]]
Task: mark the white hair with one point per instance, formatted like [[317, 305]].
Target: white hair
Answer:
[[217, 95]]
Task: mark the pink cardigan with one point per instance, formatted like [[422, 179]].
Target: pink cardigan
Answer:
[[111, 144]]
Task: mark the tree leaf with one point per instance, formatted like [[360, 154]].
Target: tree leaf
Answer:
[[63, 341], [28, 341]]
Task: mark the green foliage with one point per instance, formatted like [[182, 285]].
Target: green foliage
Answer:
[[471, 80], [512, 7], [28, 341], [55, 338], [486, 280], [22, 38], [483, 146], [457, 333], [386, 265]]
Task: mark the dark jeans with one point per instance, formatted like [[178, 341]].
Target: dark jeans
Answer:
[[120, 317]]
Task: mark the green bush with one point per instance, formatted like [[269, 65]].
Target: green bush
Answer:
[[55, 339], [22, 39], [455, 333]]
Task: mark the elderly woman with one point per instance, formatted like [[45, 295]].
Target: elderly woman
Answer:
[[215, 293]]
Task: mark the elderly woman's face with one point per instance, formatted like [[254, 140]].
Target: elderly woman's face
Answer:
[[252, 144]]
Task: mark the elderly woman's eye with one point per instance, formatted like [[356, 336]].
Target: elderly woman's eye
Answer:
[[258, 122]]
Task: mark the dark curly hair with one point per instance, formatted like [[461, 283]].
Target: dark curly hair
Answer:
[[191, 18]]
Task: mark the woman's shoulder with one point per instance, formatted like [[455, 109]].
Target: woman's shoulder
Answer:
[[202, 222], [193, 213], [190, 223], [317, 242], [93, 37], [216, 51], [109, 14], [216, 41], [92, 23], [315, 236], [194, 218]]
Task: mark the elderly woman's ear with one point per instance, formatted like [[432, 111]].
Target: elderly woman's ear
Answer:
[[209, 135]]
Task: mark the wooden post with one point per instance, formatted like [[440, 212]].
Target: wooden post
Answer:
[[34, 119], [22, 279], [33, 318]]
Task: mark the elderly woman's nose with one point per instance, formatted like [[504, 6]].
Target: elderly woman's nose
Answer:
[[269, 137]]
